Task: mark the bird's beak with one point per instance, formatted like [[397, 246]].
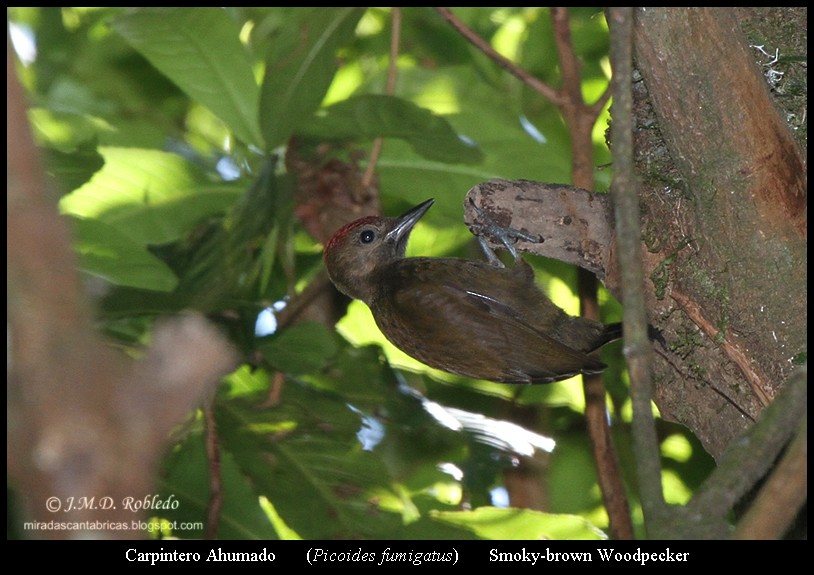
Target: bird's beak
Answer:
[[407, 220]]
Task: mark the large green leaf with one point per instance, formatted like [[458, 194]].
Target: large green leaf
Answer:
[[301, 348], [304, 457], [187, 483], [300, 67], [151, 196], [199, 50], [507, 523], [106, 252], [73, 169], [371, 115], [225, 264]]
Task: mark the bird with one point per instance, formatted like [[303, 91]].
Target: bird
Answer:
[[477, 319]]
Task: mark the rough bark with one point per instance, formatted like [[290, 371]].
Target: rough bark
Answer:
[[725, 225]]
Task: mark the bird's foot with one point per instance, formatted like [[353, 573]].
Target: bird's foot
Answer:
[[505, 235]]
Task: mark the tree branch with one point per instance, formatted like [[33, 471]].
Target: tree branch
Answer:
[[521, 74], [753, 454], [783, 495], [624, 192], [390, 89], [580, 120], [215, 478]]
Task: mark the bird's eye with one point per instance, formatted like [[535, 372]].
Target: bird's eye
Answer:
[[367, 236]]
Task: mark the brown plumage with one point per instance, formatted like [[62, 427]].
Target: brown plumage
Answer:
[[465, 317]]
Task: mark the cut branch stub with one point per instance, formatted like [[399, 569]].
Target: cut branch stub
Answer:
[[574, 225]]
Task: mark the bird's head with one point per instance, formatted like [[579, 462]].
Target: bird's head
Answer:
[[358, 249]]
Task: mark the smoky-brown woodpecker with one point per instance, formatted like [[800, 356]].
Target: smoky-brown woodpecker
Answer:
[[470, 318]]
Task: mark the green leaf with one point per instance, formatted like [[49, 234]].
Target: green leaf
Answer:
[[153, 197], [75, 168], [301, 348], [187, 482], [224, 264], [370, 116], [244, 381], [301, 65], [497, 523], [200, 51], [65, 131], [108, 253], [303, 455]]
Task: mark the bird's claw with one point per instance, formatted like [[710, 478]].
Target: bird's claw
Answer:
[[507, 236]]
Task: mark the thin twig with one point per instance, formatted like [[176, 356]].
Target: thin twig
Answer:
[[626, 206], [215, 483], [580, 120], [580, 123], [597, 106], [608, 470], [390, 89], [686, 375], [540, 87], [569, 65]]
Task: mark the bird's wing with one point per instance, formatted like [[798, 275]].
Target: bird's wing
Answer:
[[477, 330]]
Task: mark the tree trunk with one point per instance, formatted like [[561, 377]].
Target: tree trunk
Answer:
[[724, 221]]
